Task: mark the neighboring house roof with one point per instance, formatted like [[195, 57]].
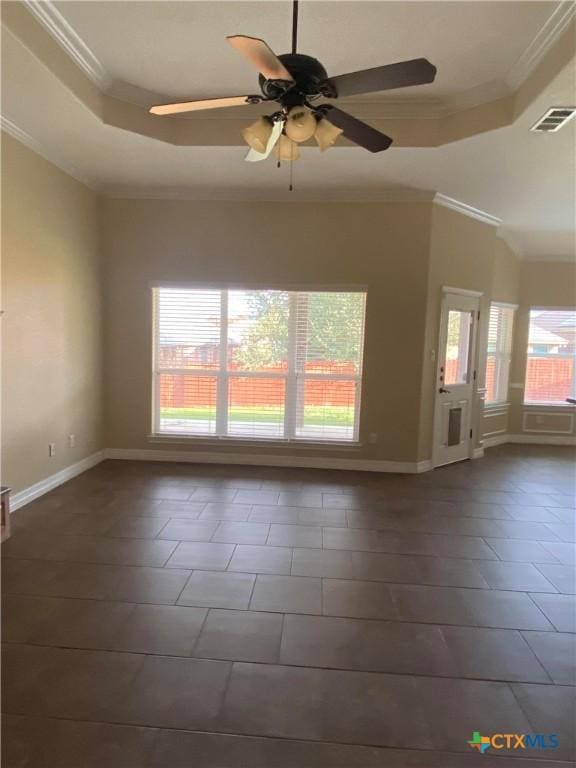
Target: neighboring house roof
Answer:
[[540, 335], [560, 322]]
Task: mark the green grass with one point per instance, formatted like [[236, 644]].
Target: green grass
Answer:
[[332, 415]]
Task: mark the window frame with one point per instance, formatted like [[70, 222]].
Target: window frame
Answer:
[[291, 377], [501, 356], [548, 403]]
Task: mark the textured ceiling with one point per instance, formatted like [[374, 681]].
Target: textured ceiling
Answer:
[[178, 48], [525, 179]]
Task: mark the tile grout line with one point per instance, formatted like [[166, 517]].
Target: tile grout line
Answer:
[[251, 591], [267, 737], [198, 636], [174, 569], [109, 509], [175, 603], [522, 633], [549, 620], [395, 552], [397, 619], [281, 640], [172, 551], [362, 670], [557, 565]]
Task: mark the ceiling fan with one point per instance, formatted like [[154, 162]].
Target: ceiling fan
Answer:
[[295, 81]]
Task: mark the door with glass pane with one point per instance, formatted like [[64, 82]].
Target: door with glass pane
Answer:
[[455, 379]]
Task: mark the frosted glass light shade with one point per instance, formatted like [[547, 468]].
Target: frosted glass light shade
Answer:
[[300, 124], [286, 149], [257, 134], [326, 134]]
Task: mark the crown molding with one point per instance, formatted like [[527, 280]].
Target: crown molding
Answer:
[[53, 22], [475, 97], [9, 127], [58, 27], [542, 43], [17, 133], [467, 210], [511, 241]]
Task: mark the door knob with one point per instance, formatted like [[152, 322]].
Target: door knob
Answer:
[[444, 391]]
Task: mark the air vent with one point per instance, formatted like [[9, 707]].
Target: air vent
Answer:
[[554, 119]]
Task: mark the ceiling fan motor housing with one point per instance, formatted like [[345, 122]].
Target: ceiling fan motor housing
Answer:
[[309, 75]]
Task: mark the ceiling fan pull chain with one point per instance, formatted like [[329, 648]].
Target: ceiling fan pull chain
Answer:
[[294, 25]]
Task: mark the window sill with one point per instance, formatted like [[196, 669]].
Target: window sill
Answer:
[[234, 442], [496, 406], [548, 405]]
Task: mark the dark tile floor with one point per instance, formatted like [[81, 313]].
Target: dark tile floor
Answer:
[[171, 616]]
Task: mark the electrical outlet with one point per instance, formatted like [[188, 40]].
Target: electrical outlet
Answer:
[[71, 441], [373, 437], [51, 449]]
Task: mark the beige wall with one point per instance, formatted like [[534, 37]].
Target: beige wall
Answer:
[[63, 249], [461, 256], [506, 274], [51, 336], [548, 284], [542, 284], [382, 246]]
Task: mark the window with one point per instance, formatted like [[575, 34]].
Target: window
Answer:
[[551, 356], [258, 363], [499, 352], [457, 347]]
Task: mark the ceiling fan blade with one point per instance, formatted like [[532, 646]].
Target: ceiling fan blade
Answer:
[[355, 130], [399, 75], [261, 56], [195, 106]]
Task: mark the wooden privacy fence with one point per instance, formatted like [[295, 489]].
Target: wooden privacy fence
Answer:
[[548, 379], [199, 389]]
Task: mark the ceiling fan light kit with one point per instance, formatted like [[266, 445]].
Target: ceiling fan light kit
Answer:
[[300, 124], [326, 134], [258, 134], [295, 81], [286, 150]]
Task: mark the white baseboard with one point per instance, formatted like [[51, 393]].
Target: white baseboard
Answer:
[[313, 462], [499, 439], [53, 481], [542, 439], [262, 460], [523, 439]]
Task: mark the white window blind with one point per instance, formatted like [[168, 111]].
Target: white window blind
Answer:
[[551, 363], [499, 352], [258, 363]]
